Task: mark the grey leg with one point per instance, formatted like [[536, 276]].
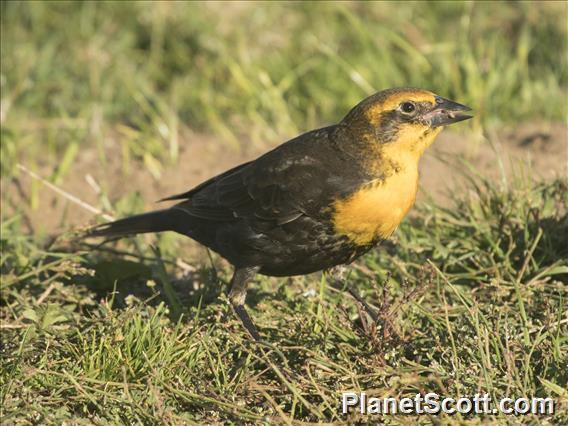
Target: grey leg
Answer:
[[238, 294], [370, 311], [339, 274]]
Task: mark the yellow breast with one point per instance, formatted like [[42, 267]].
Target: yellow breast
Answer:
[[377, 209]]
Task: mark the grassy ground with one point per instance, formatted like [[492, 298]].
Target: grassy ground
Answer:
[[472, 296]]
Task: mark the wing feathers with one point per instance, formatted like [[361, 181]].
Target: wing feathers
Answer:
[[278, 187]]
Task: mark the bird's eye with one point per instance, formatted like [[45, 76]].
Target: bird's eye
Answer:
[[408, 107]]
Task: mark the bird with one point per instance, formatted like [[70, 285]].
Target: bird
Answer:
[[315, 202]]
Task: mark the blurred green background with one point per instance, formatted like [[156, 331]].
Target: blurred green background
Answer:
[[257, 72]]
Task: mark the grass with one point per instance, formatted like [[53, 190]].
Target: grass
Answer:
[[472, 299], [472, 295], [260, 73]]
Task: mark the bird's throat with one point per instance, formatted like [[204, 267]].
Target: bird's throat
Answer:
[[374, 211]]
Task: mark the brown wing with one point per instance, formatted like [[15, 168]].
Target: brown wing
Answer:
[[250, 192], [293, 180]]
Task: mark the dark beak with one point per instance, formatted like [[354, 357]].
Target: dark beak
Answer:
[[446, 112]]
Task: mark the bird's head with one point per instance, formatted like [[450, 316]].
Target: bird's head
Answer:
[[410, 118]]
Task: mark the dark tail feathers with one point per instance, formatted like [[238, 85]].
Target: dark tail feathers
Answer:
[[158, 221]]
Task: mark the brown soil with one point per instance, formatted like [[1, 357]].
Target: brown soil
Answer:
[[536, 150], [544, 147]]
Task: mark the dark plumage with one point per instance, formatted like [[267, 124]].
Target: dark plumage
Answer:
[[307, 205]]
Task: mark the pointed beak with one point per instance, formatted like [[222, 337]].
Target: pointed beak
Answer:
[[446, 112]]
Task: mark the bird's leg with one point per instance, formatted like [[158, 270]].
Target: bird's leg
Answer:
[[238, 294], [339, 275], [370, 311]]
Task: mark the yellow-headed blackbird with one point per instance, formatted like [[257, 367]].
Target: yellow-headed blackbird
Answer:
[[319, 200]]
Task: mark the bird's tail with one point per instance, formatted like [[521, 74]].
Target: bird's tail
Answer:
[[157, 221]]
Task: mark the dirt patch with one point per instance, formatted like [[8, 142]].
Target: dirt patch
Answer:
[[535, 150], [201, 156], [541, 149]]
